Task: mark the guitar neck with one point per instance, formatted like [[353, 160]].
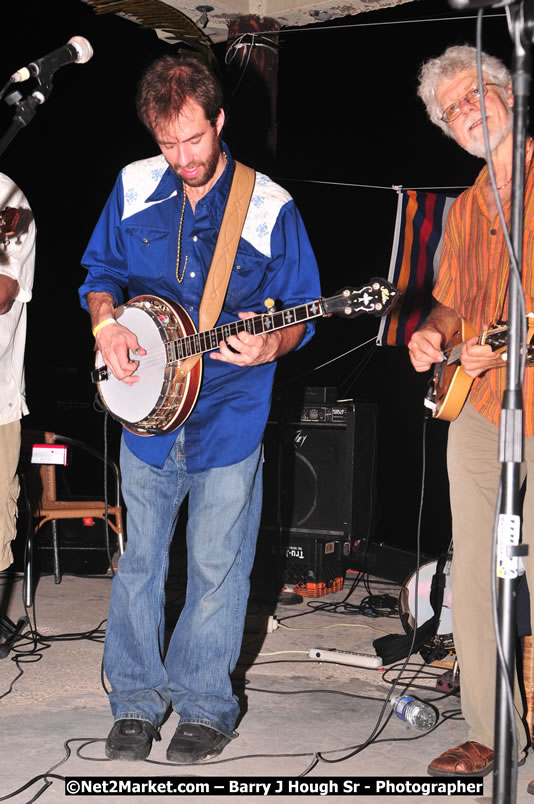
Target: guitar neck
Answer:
[[496, 338], [202, 342]]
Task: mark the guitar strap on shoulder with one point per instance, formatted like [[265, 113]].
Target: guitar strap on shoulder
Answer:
[[224, 255], [226, 246]]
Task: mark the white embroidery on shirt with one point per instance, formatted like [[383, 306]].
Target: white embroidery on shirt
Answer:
[[267, 200], [139, 180]]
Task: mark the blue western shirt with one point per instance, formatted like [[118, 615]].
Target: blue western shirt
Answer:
[[133, 251]]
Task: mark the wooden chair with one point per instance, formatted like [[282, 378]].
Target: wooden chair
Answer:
[[40, 480]]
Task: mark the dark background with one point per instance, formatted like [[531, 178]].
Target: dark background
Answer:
[[347, 114]]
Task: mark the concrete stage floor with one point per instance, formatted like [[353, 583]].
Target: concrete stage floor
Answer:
[[53, 704]]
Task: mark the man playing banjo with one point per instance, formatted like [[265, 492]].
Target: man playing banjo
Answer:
[[157, 236]]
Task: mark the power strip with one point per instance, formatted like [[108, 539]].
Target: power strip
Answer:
[[345, 657]]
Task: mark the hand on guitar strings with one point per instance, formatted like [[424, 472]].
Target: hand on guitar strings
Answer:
[[477, 358], [425, 348], [116, 343], [246, 349]]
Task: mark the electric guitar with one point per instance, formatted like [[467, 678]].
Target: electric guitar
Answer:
[[166, 393], [450, 385]]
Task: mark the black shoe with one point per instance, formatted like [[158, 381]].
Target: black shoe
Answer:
[[131, 739], [193, 742]]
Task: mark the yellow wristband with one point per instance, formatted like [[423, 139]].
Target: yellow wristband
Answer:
[[103, 324]]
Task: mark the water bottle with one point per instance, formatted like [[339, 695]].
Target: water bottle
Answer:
[[417, 713]]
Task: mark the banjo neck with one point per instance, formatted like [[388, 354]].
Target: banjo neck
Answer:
[[167, 393], [201, 342]]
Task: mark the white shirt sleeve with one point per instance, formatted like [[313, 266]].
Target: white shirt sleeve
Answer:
[[17, 260], [17, 255]]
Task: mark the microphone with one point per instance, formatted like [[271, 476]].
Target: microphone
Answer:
[[76, 50]]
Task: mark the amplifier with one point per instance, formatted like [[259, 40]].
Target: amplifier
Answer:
[[326, 414], [320, 472]]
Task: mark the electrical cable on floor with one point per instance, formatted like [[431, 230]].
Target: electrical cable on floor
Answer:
[[370, 606], [95, 634], [253, 638], [446, 716], [32, 782], [325, 691], [333, 625], [22, 656], [11, 685], [40, 642], [428, 674], [248, 688], [344, 608], [278, 652], [88, 741], [378, 728], [317, 757], [49, 773], [376, 731], [426, 671]]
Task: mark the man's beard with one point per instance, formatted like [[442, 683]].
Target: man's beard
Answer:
[[207, 171], [476, 148]]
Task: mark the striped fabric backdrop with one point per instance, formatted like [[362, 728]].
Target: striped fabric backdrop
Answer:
[[419, 228]]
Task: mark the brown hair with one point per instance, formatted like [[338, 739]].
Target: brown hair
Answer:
[[169, 83]]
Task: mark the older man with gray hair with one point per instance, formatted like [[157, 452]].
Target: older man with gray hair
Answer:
[[473, 284]]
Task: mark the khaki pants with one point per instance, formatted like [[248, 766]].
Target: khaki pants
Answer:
[[474, 474], [9, 489]]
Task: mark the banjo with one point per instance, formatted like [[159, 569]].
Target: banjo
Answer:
[[167, 392]]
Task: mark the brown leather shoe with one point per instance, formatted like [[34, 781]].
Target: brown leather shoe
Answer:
[[467, 759], [530, 788]]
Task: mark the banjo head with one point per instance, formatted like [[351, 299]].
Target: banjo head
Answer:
[[408, 599], [163, 397], [133, 403]]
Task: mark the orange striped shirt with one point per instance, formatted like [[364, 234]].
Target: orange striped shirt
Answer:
[[473, 280]]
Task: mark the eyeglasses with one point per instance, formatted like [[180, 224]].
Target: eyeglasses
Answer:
[[473, 97]]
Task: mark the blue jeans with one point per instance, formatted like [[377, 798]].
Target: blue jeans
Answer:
[[194, 675]]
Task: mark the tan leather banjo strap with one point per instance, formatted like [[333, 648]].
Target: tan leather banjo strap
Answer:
[[226, 247], [224, 255]]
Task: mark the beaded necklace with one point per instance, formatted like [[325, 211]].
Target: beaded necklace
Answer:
[[180, 278]]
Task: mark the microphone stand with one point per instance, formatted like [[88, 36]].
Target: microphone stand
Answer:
[[511, 432], [26, 109]]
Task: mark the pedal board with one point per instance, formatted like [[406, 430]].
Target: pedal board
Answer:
[[449, 682]]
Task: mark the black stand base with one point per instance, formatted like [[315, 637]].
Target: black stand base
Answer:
[[10, 631]]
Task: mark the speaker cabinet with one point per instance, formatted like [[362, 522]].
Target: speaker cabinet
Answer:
[[320, 473]]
